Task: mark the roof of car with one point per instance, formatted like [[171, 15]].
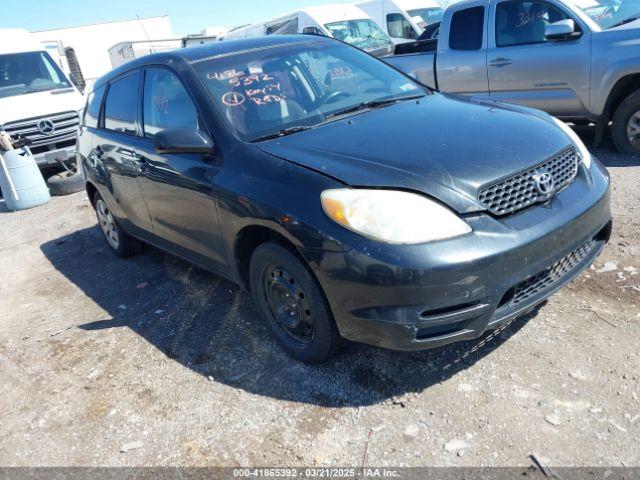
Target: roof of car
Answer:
[[210, 50]]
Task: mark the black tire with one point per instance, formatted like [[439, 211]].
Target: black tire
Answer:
[[65, 183], [630, 107], [124, 245], [312, 307]]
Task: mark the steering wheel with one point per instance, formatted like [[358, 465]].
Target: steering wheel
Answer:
[[334, 96]]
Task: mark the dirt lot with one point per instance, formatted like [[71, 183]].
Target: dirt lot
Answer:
[[150, 361]]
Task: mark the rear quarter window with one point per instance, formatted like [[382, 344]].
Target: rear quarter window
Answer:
[[94, 102], [467, 29]]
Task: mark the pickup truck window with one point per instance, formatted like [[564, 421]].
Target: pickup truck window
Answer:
[[467, 29], [120, 109], [610, 13], [399, 26], [522, 22]]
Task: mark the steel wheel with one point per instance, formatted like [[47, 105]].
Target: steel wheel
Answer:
[[289, 305], [633, 130], [107, 224]]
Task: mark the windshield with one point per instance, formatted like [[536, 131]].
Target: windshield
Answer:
[[610, 13], [29, 72], [263, 92], [426, 16], [363, 34]]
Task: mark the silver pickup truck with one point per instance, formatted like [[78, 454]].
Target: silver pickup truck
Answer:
[[546, 54]]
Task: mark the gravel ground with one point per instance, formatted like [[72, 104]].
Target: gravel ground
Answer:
[[150, 361]]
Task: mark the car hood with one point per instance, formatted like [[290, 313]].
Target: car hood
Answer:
[[445, 146], [20, 107]]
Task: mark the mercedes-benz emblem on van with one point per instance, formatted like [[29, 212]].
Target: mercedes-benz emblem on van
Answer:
[[544, 183], [46, 127]]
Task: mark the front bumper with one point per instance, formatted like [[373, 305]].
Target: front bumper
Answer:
[[414, 297], [52, 157]]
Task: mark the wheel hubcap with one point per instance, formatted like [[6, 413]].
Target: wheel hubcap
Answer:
[[633, 129], [107, 224], [289, 304]]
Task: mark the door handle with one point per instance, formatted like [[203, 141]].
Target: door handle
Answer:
[[500, 62]]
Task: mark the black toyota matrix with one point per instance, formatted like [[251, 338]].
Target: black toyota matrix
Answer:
[[350, 200]]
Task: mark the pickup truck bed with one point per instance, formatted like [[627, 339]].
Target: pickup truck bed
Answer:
[[417, 59]]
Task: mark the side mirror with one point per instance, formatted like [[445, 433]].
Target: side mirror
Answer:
[[313, 31], [559, 31], [182, 140]]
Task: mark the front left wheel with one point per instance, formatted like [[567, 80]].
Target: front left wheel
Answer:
[[626, 125], [292, 305]]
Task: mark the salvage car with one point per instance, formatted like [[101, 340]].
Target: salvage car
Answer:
[[546, 54], [352, 201]]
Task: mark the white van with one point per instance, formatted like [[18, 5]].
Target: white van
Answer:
[[342, 21], [403, 20], [38, 100]]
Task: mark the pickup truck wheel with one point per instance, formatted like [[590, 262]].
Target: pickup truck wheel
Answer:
[[626, 125], [292, 305], [119, 242]]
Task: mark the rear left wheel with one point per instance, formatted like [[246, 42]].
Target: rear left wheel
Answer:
[[292, 305], [120, 243]]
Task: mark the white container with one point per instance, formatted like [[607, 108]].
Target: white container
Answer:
[[21, 181]]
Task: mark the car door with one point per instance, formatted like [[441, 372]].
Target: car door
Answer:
[[114, 148], [178, 188], [525, 68], [462, 51]]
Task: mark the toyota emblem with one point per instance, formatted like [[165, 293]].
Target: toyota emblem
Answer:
[[46, 127], [544, 183]]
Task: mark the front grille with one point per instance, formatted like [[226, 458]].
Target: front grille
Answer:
[[552, 275], [66, 127], [519, 191]]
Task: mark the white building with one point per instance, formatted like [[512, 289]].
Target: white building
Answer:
[[91, 43]]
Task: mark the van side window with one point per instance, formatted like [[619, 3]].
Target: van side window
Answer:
[[467, 29], [399, 26], [166, 103], [94, 102], [287, 27], [120, 110], [521, 23]]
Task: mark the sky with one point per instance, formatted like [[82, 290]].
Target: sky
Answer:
[[187, 16]]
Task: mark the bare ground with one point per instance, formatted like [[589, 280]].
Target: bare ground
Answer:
[[153, 356]]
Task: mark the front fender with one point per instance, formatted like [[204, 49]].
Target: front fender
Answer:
[[604, 76]]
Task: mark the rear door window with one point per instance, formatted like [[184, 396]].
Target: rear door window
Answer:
[[120, 109], [467, 29], [166, 103]]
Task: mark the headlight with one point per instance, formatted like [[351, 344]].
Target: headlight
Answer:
[[392, 216], [583, 151]]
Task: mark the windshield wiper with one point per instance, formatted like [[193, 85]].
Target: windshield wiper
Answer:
[[282, 133], [371, 105], [630, 19]]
